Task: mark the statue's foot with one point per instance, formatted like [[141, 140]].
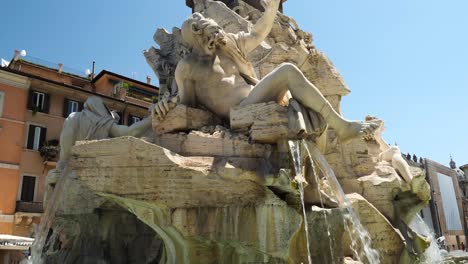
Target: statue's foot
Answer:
[[355, 129]]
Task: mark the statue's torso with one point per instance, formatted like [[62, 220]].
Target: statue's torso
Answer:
[[218, 84]]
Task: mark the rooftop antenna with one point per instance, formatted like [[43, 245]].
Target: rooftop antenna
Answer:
[[92, 73]]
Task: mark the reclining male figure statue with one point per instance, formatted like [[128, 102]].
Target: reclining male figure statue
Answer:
[[217, 75]]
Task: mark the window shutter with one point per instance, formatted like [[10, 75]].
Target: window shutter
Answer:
[[65, 107], [80, 106], [43, 137], [30, 100], [46, 103], [31, 137]]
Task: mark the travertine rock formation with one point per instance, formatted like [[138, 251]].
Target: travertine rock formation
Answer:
[[208, 189]]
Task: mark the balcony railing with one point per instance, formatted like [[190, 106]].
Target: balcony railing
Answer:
[[29, 207]]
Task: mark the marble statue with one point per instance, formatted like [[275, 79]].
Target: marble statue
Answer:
[[393, 155], [215, 181], [216, 74], [94, 122]]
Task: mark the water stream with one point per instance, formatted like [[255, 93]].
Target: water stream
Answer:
[[433, 254], [358, 230], [48, 218], [294, 146], [330, 237]]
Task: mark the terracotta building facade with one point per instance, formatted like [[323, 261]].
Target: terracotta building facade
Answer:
[[34, 102]]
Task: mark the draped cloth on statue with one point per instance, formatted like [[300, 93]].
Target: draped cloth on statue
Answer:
[[94, 122]]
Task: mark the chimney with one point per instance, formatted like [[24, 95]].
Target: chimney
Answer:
[[60, 67], [148, 79], [16, 57]]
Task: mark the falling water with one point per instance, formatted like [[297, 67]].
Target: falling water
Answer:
[[330, 237], [432, 254], [48, 218], [371, 254], [294, 146]]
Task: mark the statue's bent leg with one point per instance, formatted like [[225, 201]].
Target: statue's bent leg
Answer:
[[289, 77]]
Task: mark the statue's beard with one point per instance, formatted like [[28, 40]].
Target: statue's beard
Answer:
[[216, 40]]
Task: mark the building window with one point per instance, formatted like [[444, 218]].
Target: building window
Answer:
[[70, 106], [38, 101], [27, 188], [133, 119], [2, 97], [36, 137]]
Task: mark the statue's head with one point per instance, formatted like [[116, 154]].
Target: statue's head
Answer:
[[95, 105], [202, 33]]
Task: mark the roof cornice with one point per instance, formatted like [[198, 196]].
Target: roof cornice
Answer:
[[15, 80]]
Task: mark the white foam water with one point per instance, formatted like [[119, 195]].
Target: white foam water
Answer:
[[433, 254]]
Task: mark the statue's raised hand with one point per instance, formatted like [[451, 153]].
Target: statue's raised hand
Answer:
[[270, 5]]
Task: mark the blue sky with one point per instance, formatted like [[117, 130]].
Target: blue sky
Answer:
[[405, 62]]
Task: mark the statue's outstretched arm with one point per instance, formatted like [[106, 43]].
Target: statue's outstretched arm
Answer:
[[137, 129], [262, 28]]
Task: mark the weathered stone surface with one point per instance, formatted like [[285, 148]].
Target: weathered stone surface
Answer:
[[183, 118], [223, 15], [220, 143], [134, 169], [163, 61], [266, 122], [380, 187], [110, 236], [234, 234], [385, 238], [269, 113], [326, 231], [270, 122]]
